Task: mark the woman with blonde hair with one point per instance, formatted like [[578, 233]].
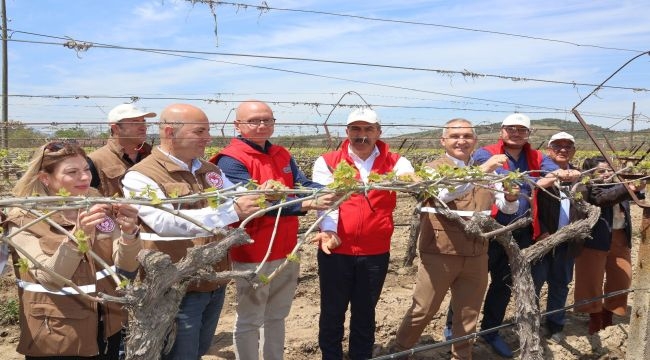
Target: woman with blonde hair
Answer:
[[56, 321]]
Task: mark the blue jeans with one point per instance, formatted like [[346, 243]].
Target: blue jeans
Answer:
[[354, 280], [556, 269], [196, 323]]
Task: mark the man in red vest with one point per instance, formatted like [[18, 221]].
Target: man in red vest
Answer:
[[252, 156], [355, 240], [513, 142]]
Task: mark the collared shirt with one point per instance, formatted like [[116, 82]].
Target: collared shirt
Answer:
[[322, 175], [506, 207], [238, 173], [167, 224]]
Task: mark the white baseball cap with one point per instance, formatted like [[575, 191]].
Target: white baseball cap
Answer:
[[127, 111], [363, 114], [517, 119], [562, 136]]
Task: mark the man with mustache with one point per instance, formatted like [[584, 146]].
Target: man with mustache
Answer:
[[355, 240]]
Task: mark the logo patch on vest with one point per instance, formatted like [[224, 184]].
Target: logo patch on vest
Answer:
[[106, 226], [287, 169], [214, 179]]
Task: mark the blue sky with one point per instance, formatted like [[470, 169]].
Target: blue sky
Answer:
[[427, 36]]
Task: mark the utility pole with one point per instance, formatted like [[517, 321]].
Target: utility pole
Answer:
[[631, 120], [5, 102]]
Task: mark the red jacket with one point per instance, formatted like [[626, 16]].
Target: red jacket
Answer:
[[366, 224], [534, 159], [262, 167]]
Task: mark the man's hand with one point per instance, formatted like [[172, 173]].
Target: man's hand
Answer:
[[511, 191], [637, 186], [246, 205], [494, 162], [323, 202], [328, 240]]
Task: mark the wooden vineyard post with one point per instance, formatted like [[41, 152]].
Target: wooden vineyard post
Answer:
[[638, 346]]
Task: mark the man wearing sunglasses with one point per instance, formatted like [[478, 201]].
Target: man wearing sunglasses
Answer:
[[125, 147]]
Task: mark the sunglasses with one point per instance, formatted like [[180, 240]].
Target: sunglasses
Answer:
[[56, 146]]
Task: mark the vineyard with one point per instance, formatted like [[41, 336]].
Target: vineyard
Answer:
[[301, 334]]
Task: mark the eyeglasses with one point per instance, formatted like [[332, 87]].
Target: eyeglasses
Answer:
[[558, 147], [602, 171], [514, 130], [258, 122], [56, 146]]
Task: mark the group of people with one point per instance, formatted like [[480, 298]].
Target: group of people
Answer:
[[451, 259], [353, 242]]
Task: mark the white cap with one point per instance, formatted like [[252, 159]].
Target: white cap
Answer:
[[363, 114], [517, 119], [127, 111], [561, 136]]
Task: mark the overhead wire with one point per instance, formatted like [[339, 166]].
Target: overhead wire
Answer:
[[265, 7], [83, 45]]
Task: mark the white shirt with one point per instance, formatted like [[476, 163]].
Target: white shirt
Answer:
[[506, 207], [322, 175], [167, 224]]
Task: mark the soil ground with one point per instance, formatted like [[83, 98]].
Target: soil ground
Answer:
[[302, 323]]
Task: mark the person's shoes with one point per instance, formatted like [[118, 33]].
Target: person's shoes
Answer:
[[557, 337], [607, 318], [499, 346], [446, 332], [595, 322]]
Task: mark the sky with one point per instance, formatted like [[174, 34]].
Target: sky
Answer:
[[313, 60]]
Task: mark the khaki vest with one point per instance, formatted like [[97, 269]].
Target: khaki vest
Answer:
[[111, 166], [440, 235], [172, 179], [59, 323]]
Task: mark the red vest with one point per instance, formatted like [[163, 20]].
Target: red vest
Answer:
[[273, 165], [366, 223], [534, 159]]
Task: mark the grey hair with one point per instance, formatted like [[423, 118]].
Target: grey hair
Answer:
[[461, 120]]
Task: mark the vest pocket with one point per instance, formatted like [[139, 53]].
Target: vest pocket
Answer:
[[59, 329]]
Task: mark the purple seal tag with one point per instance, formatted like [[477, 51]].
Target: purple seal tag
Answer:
[[106, 226], [214, 179]]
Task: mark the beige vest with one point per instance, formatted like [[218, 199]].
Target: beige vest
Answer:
[[65, 324], [111, 166], [439, 235], [172, 179]]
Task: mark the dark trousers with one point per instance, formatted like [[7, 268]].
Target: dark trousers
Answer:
[[353, 280], [556, 269], [498, 293]]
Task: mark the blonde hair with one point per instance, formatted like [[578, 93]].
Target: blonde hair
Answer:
[[45, 159]]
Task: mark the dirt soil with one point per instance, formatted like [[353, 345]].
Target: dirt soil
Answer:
[[302, 323]]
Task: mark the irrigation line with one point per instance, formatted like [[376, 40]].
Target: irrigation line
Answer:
[[475, 335]]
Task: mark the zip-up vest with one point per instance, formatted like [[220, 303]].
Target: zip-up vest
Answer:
[[111, 166], [534, 160], [172, 179], [62, 323], [366, 223], [275, 165], [440, 235]]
